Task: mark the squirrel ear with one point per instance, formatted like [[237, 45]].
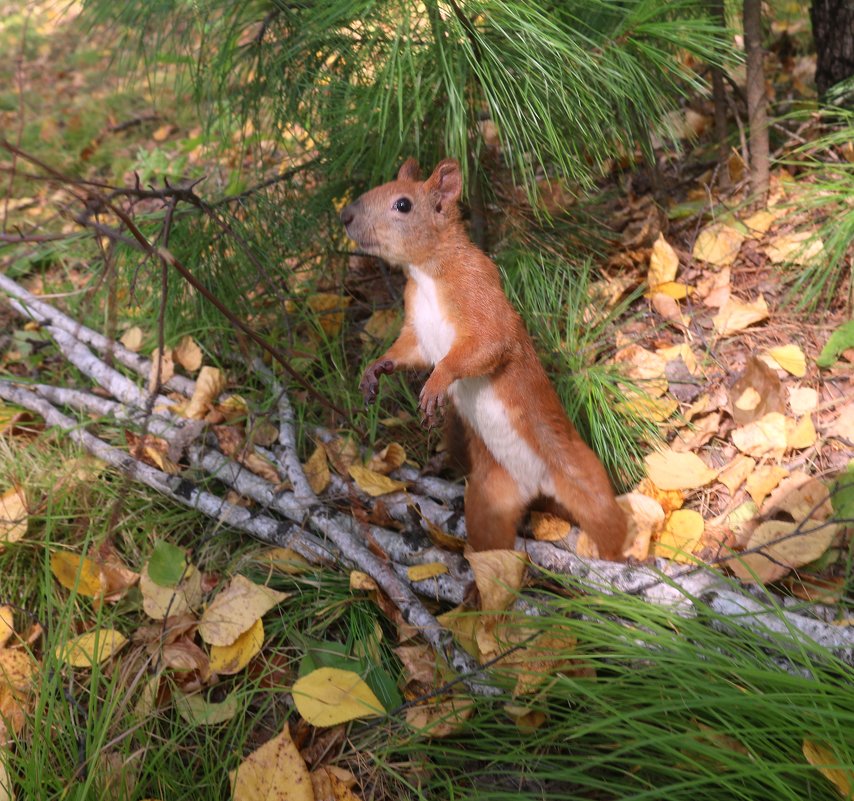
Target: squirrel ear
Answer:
[[410, 171], [446, 182]]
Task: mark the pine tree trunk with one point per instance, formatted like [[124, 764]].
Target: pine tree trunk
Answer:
[[833, 31], [757, 103], [716, 8]]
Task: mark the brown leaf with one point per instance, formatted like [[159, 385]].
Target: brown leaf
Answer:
[[498, 575], [440, 718], [188, 354], [763, 437], [389, 458], [734, 474], [209, 385], [162, 367], [736, 315], [765, 384]]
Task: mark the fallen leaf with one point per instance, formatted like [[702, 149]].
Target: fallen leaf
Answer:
[[440, 718], [673, 289], [342, 452], [801, 433], [419, 663], [426, 571], [162, 133], [329, 696], [668, 308], [802, 498], [756, 392], [680, 351], [197, 710], [714, 289], [789, 358], [671, 470], [498, 575], [718, 244], [842, 427], [380, 326], [748, 401], [645, 517], [373, 483], [655, 409], [17, 681], [273, 772], [7, 624], [151, 450], [680, 536], [235, 609], [644, 367], [159, 602], [6, 791], [802, 400], [184, 656], [188, 354], [330, 310], [91, 648], [286, 560], [389, 458], [763, 437], [326, 786], [362, 582], [764, 479], [693, 437], [76, 573], [735, 473], [548, 527], [230, 659], [837, 772], [13, 515], [132, 338], [209, 385], [668, 500], [799, 247], [162, 368], [527, 720], [663, 263], [735, 315], [167, 564], [759, 222]]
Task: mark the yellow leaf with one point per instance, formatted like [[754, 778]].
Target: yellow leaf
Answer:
[[734, 474], [236, 609], [759, 222], [6, 791], [663, 264], [380, 326], [549, 528], [440, 718], [426, 571], [329, 696], [7, 624], [718, 244], [763, 437], [735, 315], [748, 400], [273, 772], [317, 470], [13, 515], [373, 483], [328, 785], [785, 549], [230, 659], [655, 409], [643, 366], [188, 354], [162, 368], [673, 289], [763, 480], [790, 358], [76, 572], [645, 517], [159, 602], [527, 720], [132, 338], [330, 310], [671, 470], [91, 648], [681, 351], [389, 458], [286, 560], [800, 247], [209, 384], [163, 132], [837, 772], [362, 582], [800, 434], [680, 535], [498, 575]]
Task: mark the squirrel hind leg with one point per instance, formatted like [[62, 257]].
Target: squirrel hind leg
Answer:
[[493, 504], [597, 513]]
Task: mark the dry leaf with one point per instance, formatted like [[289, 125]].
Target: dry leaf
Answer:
[[763, 437], [681, 351], [802, 400], [671, 470], [209, 384], [735, 315], [13, 515], [655, 409], [663, 263], [76, 573], [748, 401], [799, 247], [800, 434], [673, 289], [326, 786], [230, 659], [668, 308], [17, 673], [233, 443], [7, 624], [440, 718], [329, 696], [273, 772], [842, 427], [330, 310], [759, 222], [762, 480], [498, 575], [162, 368], [789, 358], [196, 709], [734, 474], [380, 326], [718, 244], [691, 438], [389, 458], [714, 288], [419, 663], [132, 338], [342, 452], [317, 470], [757, 391], [426, 571], [362, 582], [286, 560], [645, 517], [838, 773], [549, 528], [160, 602], [188, 354], [527, 720], [801, 497], [643, 366], [680, 536], [373, 483], [795, 550], [235, 609], [91, 648]]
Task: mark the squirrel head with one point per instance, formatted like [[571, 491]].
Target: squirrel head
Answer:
[[405, 220]]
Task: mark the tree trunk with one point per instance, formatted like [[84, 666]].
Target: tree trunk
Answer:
[[716, 8], [757, 102], [833, 31]]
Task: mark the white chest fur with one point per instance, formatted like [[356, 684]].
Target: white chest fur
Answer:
[[434, 331]]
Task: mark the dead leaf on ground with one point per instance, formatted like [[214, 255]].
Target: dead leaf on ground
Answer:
[[329, 696], [7, 624], [235, 609], [389, 458], [798, 247], [718, 244], [693, 437], [426, 571], [549, 527], [132, 338], [645, 517], [162, 368], [759, 222], [643, 366], [210, 383], [663, 263], [317, 470], [787, 357], [714, 288], [801, 433], [802, 400], [498, 575], [13, 515], [77, 573], [342, 452], [380, 326], [735, 315], [671, 470], [842, 427], [668, 308], [327, 786], [680, 536], [735, 473], [763, 480], [159, 602], [373, 483], [763, 437], [330, 310], [274, 771], [233, 443], [230, 659], [420, 664], [91, 648], [440, 718], [757, 391], [837, 772], [188, 354]]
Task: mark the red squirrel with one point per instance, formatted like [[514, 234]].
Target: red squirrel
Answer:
[[458, 321]]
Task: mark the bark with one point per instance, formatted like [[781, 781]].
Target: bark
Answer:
[[757, 102], [716, 8], [833, 31]]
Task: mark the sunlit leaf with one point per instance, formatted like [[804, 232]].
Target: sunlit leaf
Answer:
[[328, 696]]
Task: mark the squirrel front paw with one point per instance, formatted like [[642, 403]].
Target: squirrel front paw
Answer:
[[370, 383], [432, 399]]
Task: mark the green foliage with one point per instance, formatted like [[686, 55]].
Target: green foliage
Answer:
[[840, 340], [167, 564]]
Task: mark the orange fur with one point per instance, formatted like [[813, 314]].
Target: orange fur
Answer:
[[521, 446]]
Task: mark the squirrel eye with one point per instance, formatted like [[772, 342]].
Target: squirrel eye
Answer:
[[403, 205]]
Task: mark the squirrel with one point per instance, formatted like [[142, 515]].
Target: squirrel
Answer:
[[521, 447]]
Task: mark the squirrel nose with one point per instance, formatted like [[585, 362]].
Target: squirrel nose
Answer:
[[348, 214]]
